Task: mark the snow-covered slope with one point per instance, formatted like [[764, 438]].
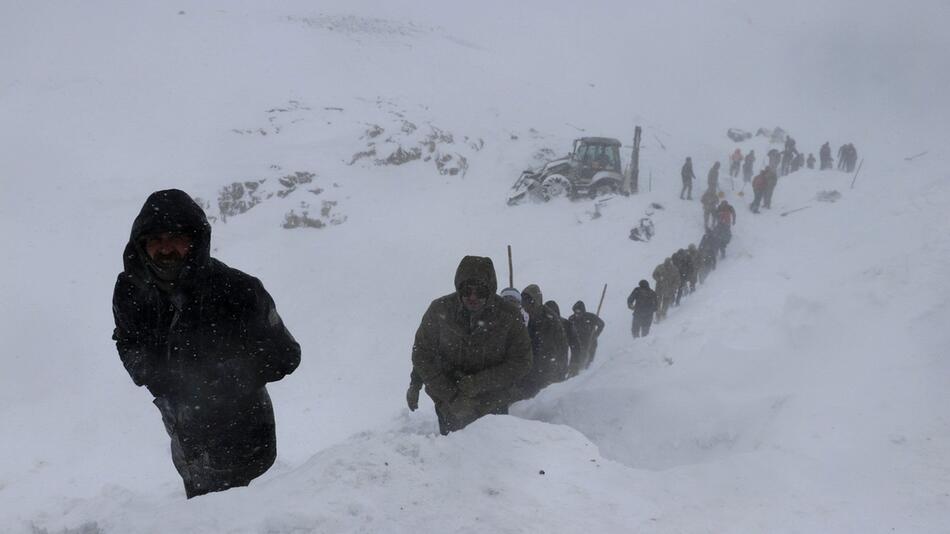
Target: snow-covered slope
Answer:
[[802, 389]]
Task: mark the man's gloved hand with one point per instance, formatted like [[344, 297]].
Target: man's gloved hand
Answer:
[[412, 397], [466, 386]]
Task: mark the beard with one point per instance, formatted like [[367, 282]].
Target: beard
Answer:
[[167, 266]]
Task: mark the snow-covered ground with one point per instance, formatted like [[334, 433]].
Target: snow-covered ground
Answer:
[[802, 389]]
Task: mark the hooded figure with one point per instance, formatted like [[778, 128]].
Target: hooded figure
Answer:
[[513, 296], [204, 339], [684, 266], [712, 178], [708, 251], [471, 348], [824, 156], [709, 200], [694, 262], [548, 344], [572, 341], [747, 166], [667, 280], [589, 327], [686, 173], [643, 301]]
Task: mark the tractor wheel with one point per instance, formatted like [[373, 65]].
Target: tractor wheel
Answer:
[[604, 188], [555, 185]]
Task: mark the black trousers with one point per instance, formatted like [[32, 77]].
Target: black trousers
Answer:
[[641, 324], [757, 201], [687, 189]]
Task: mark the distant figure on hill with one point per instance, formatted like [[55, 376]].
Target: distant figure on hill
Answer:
[[725, 220], [810, 163], [748, 165], [643, 302], [798, 162], [759, 185], [713, 177], [687, 174], [709, 200], [735, 162], [708, 250], [667, 280], [588, 327], [681, 260], [774, 158], [824, 155]]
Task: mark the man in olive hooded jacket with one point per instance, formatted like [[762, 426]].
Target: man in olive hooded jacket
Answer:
[[204, 339], [471, 348]]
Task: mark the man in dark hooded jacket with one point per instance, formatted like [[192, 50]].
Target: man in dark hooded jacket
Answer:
[[471, 349], [572, 340], [588, 327], [548, 344], [204, 339], [686, 173], [708, 251], [712, 178], [684, 266], [643, 302], [824, 156]]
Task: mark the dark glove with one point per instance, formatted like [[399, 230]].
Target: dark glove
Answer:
[[412, 397]]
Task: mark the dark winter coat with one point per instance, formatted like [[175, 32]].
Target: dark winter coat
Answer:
[[587, 325], [713, 177], [548, 345], [771, 179], [667, 278], [471, 362], [683, 265], [749, 162], [725, 215], [204, 345], [686, 173], [708, 248], [642, 301], [572, 340], [760, 182]]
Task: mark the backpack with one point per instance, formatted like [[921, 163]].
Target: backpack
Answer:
[[725, 216]]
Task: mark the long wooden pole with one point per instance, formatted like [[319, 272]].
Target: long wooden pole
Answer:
[[602, 294], [856, 173], [511, 272]]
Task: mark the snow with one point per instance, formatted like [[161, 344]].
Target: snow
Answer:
[[802, 389]]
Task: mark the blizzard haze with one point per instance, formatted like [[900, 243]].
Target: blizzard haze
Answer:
[[803, 388]]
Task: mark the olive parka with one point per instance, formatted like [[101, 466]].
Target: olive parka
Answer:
[[470, 362]]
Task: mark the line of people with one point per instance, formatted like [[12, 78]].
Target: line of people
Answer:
[[477, 352], [680, 273], [847, 157]]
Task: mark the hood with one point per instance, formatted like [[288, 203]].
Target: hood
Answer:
[[171, 210], [476, 268], [535, 293], [551, 305], [579, 306], [510, 292]]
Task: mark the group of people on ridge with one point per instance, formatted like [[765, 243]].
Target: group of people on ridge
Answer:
[[477, 352]]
